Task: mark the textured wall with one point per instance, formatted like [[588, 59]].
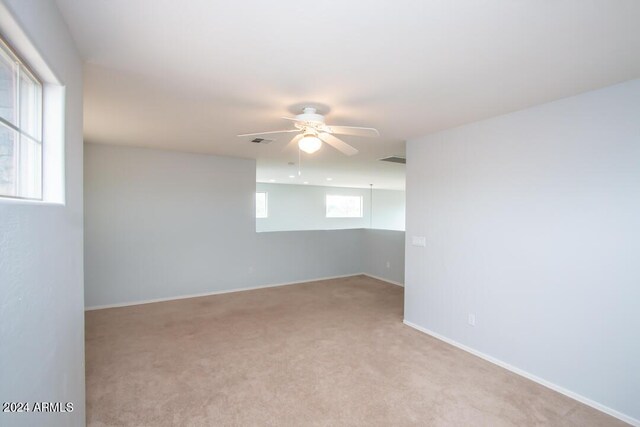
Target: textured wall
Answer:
[[383, 254], [41, 266], [532, 222]]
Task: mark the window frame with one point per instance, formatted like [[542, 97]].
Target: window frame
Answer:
[[25, 67], [326, 206], [266, 204]]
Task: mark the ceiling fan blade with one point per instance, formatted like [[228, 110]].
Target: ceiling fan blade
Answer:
[[293, 142], [293, 119], [338, 144], [268, 133], [354, 130]]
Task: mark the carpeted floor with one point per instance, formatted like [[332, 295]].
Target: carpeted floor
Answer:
[[325, 353]]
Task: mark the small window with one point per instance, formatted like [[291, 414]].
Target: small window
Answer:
[[344, 206], [261, 205], [20, 128]]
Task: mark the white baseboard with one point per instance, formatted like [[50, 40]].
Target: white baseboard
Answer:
[[626, 418], [384, 280], [205, 294]]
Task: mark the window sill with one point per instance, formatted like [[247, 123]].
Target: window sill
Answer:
[[18, 201]]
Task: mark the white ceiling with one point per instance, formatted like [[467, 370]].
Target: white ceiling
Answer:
[[190, 75]]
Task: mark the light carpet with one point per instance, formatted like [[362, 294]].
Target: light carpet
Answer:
[[327, 353]]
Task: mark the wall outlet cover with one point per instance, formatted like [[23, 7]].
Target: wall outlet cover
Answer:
[[419, 241]]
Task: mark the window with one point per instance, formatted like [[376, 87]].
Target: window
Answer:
[[261, 205], [344, 206], [20, 128]]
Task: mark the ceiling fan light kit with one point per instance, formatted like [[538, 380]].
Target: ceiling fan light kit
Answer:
[[312, 132], [310, 143]]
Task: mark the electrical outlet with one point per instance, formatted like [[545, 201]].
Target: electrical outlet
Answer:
[[472, 319], [388, 264]]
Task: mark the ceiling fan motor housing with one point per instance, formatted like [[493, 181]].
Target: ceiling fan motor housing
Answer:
[[310, 115]]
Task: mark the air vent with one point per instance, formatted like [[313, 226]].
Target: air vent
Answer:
[[394, 159], [261, 140]]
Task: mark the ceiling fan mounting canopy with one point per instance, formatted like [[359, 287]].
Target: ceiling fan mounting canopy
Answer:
[[310, 115], [313, 131]]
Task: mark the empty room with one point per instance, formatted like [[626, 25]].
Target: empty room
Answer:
[[345, 213]]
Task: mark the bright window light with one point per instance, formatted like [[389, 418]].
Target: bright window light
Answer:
[[20, 128], [344, 206], [261, 205]]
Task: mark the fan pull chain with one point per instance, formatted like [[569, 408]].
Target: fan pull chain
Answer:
[[299, 162]]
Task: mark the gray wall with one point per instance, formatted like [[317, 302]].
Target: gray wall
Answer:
[[302, 207], [41, 298], [532, 222], [162, 224], [383, 254]]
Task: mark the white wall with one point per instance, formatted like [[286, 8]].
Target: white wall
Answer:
[[532, 222], [302, 207], [41, 266], [162, 224], [388, 210]]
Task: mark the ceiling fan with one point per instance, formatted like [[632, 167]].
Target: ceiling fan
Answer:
[[313, 131]]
